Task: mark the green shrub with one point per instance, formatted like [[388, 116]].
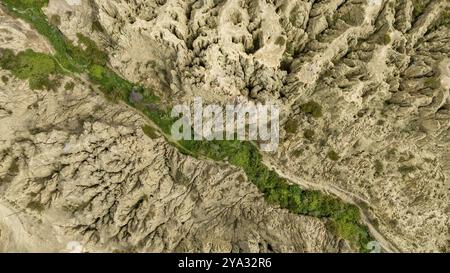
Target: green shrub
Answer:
[[419, 7], [298, 153], [378, 167], [280, 41], [291, 126], [69, 86], [37, 206], [406, 169], [55, 20], [308, 134], [333, 155], [386, 39], [312, 108], [5, 79], [150, 131]]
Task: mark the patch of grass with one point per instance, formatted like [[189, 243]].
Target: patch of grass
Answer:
[[312, 108], [40, 69]]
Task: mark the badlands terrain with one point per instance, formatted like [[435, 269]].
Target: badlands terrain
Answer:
[[85, 158]]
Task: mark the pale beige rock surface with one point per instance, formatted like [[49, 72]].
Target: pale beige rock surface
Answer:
[[379, 72]]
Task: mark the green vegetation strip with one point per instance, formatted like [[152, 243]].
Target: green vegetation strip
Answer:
[[42, 70]]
